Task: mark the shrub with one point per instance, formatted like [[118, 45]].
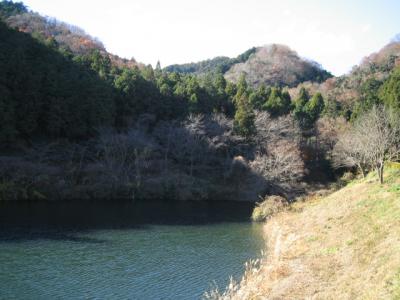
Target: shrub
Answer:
[[347, 177], [268, 207]]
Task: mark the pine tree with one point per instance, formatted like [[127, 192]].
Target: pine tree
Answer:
[[259, 97], [315, 107], [244, 117], [158, 70], [390, 91], [301, 100], [242, 89], [158, 66], [278, 103], [299, 110]]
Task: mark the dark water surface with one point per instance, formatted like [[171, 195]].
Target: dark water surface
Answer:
[[123, 251]]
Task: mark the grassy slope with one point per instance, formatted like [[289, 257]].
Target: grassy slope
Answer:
[[344, 246]]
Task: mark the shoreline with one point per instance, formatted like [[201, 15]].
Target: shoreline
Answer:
[[343, 246]]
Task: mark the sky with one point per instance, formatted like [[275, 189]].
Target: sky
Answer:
[[337, 34]]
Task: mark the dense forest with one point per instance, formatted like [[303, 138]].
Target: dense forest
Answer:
[[80, 123]]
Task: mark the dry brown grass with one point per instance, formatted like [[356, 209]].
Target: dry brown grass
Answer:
[[344, 246]]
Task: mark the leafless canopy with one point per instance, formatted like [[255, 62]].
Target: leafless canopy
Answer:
[[373, 140], [278, 157]]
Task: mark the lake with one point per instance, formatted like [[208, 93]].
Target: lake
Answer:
[[164, 250]]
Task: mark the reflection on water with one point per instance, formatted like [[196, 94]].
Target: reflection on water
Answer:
[[123, 251]]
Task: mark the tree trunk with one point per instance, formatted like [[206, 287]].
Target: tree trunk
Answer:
[[362, 170], [379, 169]]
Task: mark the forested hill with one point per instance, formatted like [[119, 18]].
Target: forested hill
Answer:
[[57, 83], [277, 65], [69, 38], [107, 128], [217, 64], [272, 65], [43, 93], [362, 87], [76, 125]]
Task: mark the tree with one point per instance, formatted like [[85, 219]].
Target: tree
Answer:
[[369, 96], [148, 73], [302, 99], [9, 8], [96, 61], [390, 91], [373, 140], [259, 97], [8, 131], [223, 103], [315, 107], [231, 89], [278, 103], [158, 66], [242, 89], [244, 117], [307, 111], [278, 157], [299, 107], [349, 152], [283, 163]]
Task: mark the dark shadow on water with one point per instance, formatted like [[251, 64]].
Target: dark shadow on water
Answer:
[[20, 235], [66, 221]]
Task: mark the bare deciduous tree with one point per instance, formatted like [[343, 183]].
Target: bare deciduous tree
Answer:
[[349, 152], [124, 155], [283, 163], [278, 157], [270, 130], [373, 140], [329, 129]]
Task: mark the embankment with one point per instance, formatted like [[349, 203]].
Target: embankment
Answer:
[[343, 246]]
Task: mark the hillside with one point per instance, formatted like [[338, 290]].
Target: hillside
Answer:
[[344, 246], [352, 89], [75, 126], [68, 37], [217, 64], [272, 65], [277, 65], [43, 93], [193, 137], [375, 67]]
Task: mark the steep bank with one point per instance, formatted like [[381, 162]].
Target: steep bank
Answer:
[[344, 246]]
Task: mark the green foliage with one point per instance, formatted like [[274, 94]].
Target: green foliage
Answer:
[[390, 90], [44, 93], [332, 108], [300, 112], [242, 89], [218, 64], [260, 96], [279, 102], [369, 97], [315, 107], [9, 8], [307, 111], [231, 89], [94, 60], [49, 90], [302, 99], [244, 116]]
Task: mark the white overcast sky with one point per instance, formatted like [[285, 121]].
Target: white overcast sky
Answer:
[[337, 34]]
